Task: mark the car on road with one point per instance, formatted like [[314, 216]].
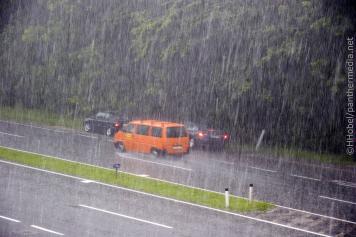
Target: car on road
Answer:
[[105, 123], [152, 136], [192, 129], [211, 139]]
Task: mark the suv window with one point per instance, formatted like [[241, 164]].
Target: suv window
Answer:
[[142, 129], [156, 132], [101, 115], [128, 128], [176, 132]]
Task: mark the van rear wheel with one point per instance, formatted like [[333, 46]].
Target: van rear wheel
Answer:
[[156, 152], [120, 147]]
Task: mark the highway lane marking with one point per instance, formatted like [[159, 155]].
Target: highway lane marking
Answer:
[[29, 125], [338, 200], [46, 230], [183, 185], [315, 214], [187, 203], [11, 134], [344, 183], [49, 129], [86, 181], [304, 177], [143, 175], [82, 135], [152, 162], [9, 219], [125, 216], [267, 170]]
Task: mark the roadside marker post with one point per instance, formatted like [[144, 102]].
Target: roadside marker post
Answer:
[[227, 201], [116, 167], [250, 192]]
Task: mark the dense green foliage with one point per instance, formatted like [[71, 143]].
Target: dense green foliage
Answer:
[[240, 65]]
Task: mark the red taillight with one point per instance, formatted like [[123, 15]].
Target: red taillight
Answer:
[[200, 134], [226, 137], [117, 125]]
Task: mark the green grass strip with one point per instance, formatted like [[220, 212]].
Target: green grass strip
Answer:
[[165, 189]]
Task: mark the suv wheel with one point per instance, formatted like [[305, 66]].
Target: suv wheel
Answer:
[[109, 132], [87, 127], [191, 143]]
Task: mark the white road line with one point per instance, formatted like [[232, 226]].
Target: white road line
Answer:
[[9, 219], [344, 183], [183, 185], [47, 230], [256, 168], [152, 162], [187, 203], [38, 169], [48, 129], [222, 161], [29, 125], [143, 175], [10, 134], [78, 134], [86, 181], [125, 216], [304, 177], [315, 214], [338, 200]]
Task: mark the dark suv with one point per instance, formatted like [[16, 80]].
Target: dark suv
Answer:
[[212, 139], [105, 123]]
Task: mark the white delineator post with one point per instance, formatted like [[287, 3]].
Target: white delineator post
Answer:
[[227, 197], [250, 193]]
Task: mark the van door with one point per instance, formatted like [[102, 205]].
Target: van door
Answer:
[[142, 138], [129, 139], [157, 138]]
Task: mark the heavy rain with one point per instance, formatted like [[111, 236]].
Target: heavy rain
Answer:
[[177, 118]]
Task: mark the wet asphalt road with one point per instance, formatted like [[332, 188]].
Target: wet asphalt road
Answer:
[[70, 207], [318, 188]]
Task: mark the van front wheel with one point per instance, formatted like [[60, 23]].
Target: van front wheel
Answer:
[[156, 152]]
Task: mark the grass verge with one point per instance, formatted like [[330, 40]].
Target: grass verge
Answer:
[[42, 117], [292, 153], [187, 194]]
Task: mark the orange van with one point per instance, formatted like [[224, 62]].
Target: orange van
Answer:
[[152, 136]]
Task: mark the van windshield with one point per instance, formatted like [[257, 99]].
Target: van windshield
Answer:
[[176, 132]]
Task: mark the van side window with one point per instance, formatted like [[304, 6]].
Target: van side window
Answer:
[[156, 132], [142, 129], [128, 128], [173, 132]]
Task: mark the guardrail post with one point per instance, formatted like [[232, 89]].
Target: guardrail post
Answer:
[[227, 198], [250, 193]]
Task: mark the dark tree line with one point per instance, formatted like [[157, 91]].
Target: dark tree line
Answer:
[[240, 65]]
